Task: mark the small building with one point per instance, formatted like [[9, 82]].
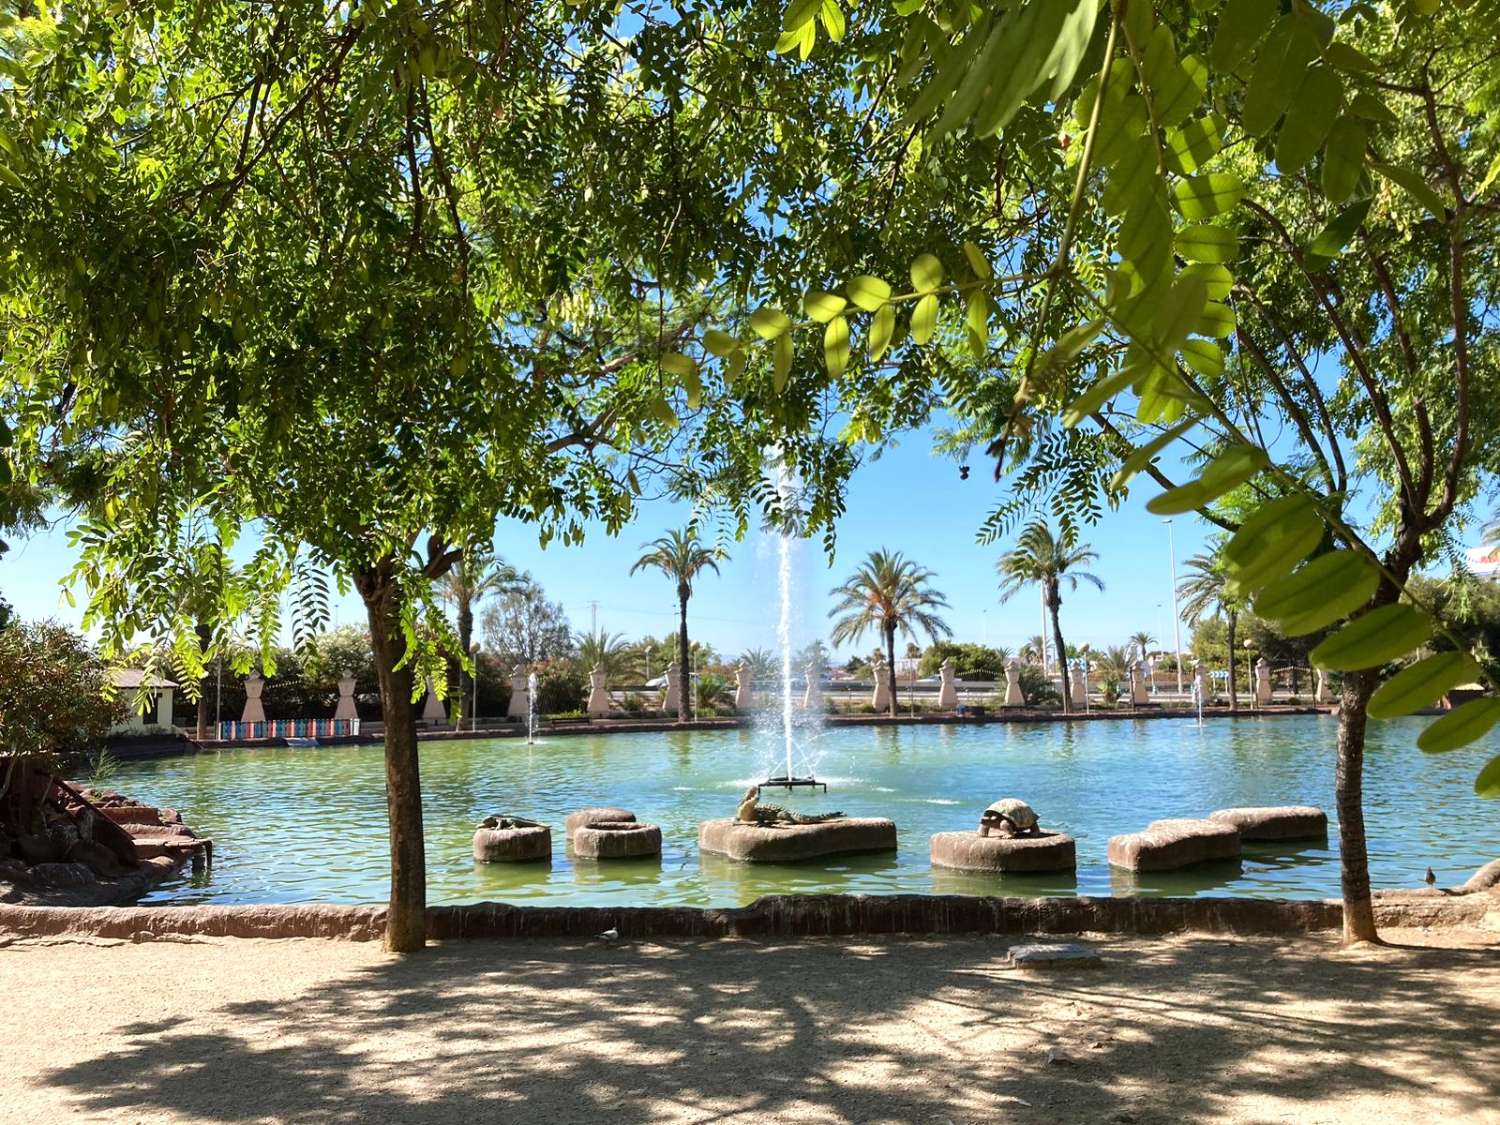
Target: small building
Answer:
[[155, 717]]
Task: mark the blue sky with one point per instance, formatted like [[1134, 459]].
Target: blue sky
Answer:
[[908, 500]]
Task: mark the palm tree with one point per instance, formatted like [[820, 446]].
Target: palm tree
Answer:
[[1046, 560], [477, 574], [1033, 651], [1202, 593], [890, 593], [761, 663], [1142, 642], [608, 652], [681, 556]]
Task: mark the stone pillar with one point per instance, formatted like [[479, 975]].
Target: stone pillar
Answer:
[[1262, 682], [948, 692], [598, 693], [1080, 686], [520, 703], [881, 700], [744, 688], [254, 712], [812, 698], [1320, 693], [1013, 696], [346, 708], [673, 701], [1205, 686], [432, 710], [1138, 678]]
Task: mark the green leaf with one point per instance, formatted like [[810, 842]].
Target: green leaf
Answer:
[[1371, 108], [1414, 185], [721, 344], [1071, 45], [926, 273], [1142, 455], [1422, 684], [692, 384], [1062, 353], [1092, 399], [1309, 119], [836, 346], [675, 363], [1203, 242], [821, 306], [769, 323], [882, 328], [781, 361], [1327, 589], [1270, 542], [798, 13], [1217, 321], [1487, 784], [1332, 239], [1344, 158], [1279, 69], [1346, 57], [9, 177], [1374, 638], [977, 314], [924, 319], [1241, 25], [1203, 356], [869, 293], [833, 19], [978, 262], [1466, 723], [1217, 280], [1203, 197], [1195, 144], [1226, 472]]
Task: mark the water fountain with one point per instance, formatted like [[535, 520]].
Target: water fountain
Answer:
[[531, 709]]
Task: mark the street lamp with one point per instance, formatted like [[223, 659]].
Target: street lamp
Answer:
[[1249, 646], [1176, 616], [474, 710]]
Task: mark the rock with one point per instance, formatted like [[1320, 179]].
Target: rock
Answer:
[[970, 851], [39, 847], [59, 875], [1058, 956], [788, 843], [97, 858], [526, 842], [616, 839], [576, 820], [169, 816], [1169, 844], [1056, 1056], [1486, 878], [1281, 822]]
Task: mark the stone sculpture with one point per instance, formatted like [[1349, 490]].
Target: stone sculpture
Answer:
[[1008, 816], [1080, 688], [948, 692], [1013, 694], [672, 701], [881, 700], [432, 710], [254, 711], [1262, 682], [751, 811], [1139, 677], [1205, 688], [520, 705], [812, 698], [598, 705], [744, 688], [1320, 693], [346, 708]]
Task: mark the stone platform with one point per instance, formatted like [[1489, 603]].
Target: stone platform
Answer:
[[523, 844], [1169, 844], [791, 843], [969, 851], [604, 814], [1281, 822], [616, 839]]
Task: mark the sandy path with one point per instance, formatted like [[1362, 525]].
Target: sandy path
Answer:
[[1182, 1029]]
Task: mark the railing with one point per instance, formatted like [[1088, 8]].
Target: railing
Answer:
[[233, 730]]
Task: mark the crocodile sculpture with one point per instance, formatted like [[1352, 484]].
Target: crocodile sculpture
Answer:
[[751, 811]]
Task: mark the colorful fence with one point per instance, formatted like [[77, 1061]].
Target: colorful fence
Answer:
[[236, 731]]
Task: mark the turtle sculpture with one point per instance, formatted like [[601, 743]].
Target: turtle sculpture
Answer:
[[1009, 817], [751, 811]]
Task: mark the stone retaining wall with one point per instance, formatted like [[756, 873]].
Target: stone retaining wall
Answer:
[[774, 916]]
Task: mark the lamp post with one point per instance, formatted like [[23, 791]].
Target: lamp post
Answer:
[[1249, 647], [1176, 616], [474, 710]]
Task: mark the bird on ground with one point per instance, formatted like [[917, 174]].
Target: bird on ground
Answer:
[[611, 934], [1430, 878]]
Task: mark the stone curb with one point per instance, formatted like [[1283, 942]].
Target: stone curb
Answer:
[[773, 916]]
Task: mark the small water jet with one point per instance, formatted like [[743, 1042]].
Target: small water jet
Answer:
[[531, 709]]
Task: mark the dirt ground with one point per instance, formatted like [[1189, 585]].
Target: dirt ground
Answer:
[[1181, 1029]]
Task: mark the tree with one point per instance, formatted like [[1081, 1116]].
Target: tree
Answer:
[[1142, 643], [1203, 595], [475, 576], [524, 628], [971, 660], [1042, 559], [608, 652], [681, 557], [762, 663], [888, 593]]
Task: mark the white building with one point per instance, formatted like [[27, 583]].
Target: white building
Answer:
[[156, 716]]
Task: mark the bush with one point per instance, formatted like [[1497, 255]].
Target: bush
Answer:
[[633, 704], [560, 687], [52, 705], [1036, 688]]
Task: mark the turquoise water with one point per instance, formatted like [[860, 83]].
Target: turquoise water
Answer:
[[309, 825]]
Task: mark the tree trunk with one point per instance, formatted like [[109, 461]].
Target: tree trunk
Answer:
[[406, 920], [1354, 860], [1234, 691], [465, 642], [1054, 604], [890, 664], [684, 664], [205, 637]]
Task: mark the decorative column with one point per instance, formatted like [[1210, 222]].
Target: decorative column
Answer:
[[881, 700], [812, 698], [948, 691], [254, 712], [1080, 687], [520, 705], [1138, 677], [432, 710], [672, 704], [346, 708], [1013, 694], [1320, 693], [598, 693], [1205, 687], [744, 688], [1262, 682]]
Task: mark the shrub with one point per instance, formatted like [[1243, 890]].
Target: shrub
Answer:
[[560, 687], [52, 704], [1036, 688]]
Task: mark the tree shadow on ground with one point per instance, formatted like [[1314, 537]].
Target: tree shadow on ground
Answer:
[[857, 1030]]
